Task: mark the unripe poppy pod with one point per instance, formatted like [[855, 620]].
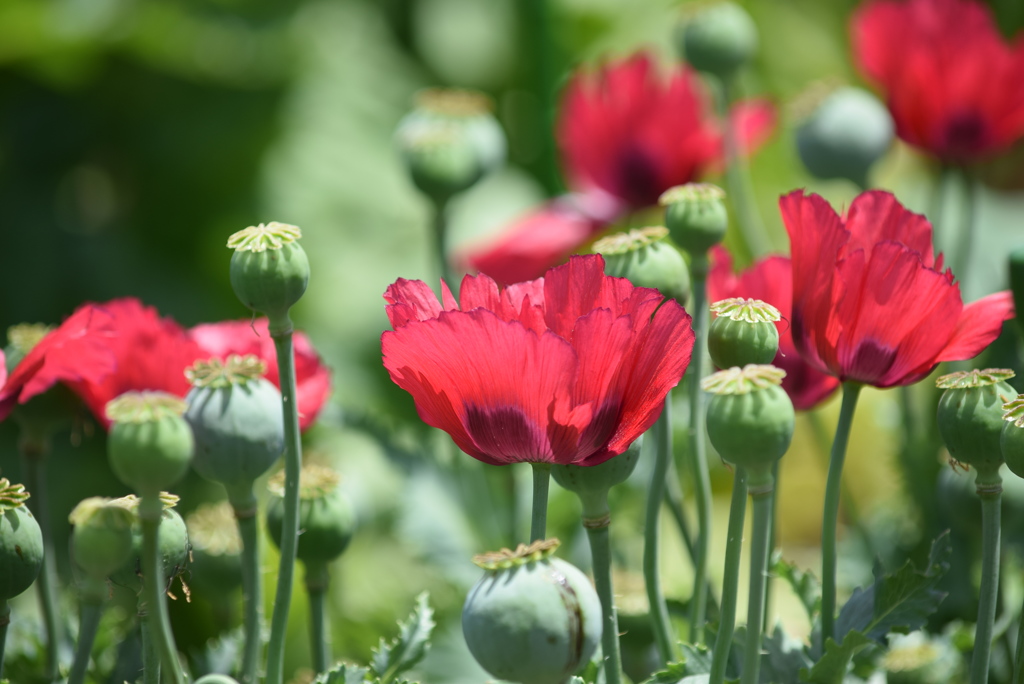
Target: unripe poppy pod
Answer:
[[325, 514], [695, 216], [719, 39], [150, 444], [970, 415], [744, 332], [269, 269], [172, 543], [216, 547], [101, 541], [21, 541], [1011, 439], [647, 260], [531, 618]]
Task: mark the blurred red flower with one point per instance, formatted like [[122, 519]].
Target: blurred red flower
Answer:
[[312, 377], [771, 280], [953, 84], [568, 368], [871, 304], [77, 351]]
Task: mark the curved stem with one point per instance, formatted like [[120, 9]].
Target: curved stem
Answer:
[[150, 651], [737, 178], [33, 451], [541, 481], [601, 555], [319, 632], [89, 616], [761, 496], [830, 517], [698, 459], [157, 621], [252, 588], [281, 332], [661, 439], [989, 490], [731, 579], [5, 621]]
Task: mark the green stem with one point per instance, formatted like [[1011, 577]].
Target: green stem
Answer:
[[252, 586], [960, 259], [597, 521], [440, 230], [544, 76], [5, 621], [157, 621], [541, 481], [737, 178], [674, 499], [150, 650], [937, 203], [760, 494], [1018, 659], [698, 459], [830, 517], [89, 616], [989, 486], [319, 632], [281, 332], [773, 542], [731, 579], [661, 440], [33, 451]]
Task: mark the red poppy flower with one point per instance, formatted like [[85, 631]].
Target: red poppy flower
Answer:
[[870, 302], [76, 351], [312, 377], [953, 84], [633, 134], [771, 280], [149, 352], [568, 368]]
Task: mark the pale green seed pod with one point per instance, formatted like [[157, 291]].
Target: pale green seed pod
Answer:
[[269, 268], [150, 444], [695, 216], [647, 259], [970, 415], [172, 544], [21, 541], [216, 548], [101, 540], [531, 618], [326, 517], [743, 332], [720, 39]]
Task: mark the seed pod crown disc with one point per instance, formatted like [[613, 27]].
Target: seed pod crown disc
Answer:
[[970, 415]]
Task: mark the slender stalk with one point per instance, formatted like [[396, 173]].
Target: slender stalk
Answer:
[[937, 202], [157, 621], [252, 588], [830, 518], [1018, 659], [281, 332], [89, 616], [150, 650], [541, 481], [439, 227], [960, 259], [698, 459], [5, 621], [737, 177], [319, 629], [674, 499], [601, 555], [773, 542], [989, 486], [661, 434], [544, 76], [762, 501], [731, 579], [34, 448]]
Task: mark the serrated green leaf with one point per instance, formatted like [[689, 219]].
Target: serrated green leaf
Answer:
[[832, 667], [672, 674], [901, 601], [805, 585], [392, 659], [696, 659], [343, 673], [784, 657]]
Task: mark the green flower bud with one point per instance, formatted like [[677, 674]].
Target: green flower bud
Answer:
[[1017, 282], [845, 136], [719, 39], [647, 260], [970, 416], [216, 547], [21, 541], [591, 483], [150, 444], [325, 515], [531, 618], [101, 541], [269, 269], [235, 416], [450, 141], [750, 419], [172, 543], [695, 216], [915, 659], [744, 332]]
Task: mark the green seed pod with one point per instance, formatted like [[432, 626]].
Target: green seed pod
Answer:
[[744, 332], [216, 548], [101, 541], [1011, 439], [917, 659], [970, 415], [531, 618], [843, 138], [750, 419], [269, 269], [719, 39], [450, 141], [236, 418], [325, 515], [21, 542], [591, 483], [1017, 282], [172, 543], [647, 260], [695, 216], [150, 443]]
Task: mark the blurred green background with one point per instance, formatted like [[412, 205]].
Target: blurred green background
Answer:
[[135, 136]]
